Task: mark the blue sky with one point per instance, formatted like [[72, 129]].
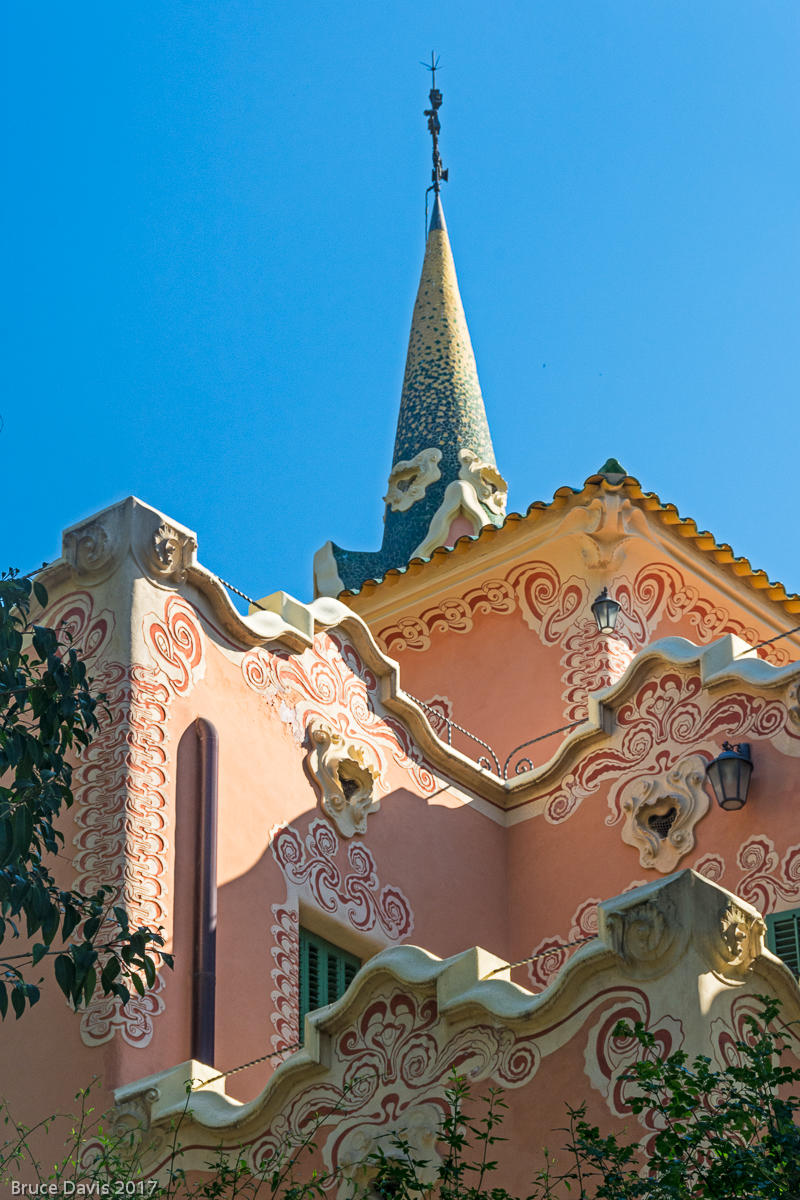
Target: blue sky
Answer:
[[214, 230]]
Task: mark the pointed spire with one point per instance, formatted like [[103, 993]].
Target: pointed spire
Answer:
[[444, 480], [441, 404], [437, 216]]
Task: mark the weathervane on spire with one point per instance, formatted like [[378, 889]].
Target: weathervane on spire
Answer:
[[435, 96]]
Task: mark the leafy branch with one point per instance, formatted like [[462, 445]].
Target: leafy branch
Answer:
[[48, 716]]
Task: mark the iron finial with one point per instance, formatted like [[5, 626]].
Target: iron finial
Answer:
[[435, 97]]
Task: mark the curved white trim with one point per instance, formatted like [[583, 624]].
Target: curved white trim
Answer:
[[419, 473], [327, 581], [459, 497]]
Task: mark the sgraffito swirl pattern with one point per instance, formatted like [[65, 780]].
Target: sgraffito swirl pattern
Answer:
[[121, 782]]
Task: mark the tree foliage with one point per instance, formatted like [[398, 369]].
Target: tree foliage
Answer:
[[724, 1134], [721, 1133], [48, 715]]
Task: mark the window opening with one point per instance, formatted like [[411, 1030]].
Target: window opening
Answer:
[[326, 972], [783, 938]]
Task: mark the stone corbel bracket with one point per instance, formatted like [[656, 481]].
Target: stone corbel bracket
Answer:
[[164, 551], [653, 927], [348, 777]]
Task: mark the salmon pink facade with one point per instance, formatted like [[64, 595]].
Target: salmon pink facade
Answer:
[[440, 772]]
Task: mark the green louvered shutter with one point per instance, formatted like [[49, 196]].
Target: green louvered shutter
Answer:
[[783, 938], [326, 972]]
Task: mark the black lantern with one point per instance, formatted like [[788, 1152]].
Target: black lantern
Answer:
[[730, 775], [606, 612]]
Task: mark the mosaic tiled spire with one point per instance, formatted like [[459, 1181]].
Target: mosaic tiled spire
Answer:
[[441, 403], [444, 480]]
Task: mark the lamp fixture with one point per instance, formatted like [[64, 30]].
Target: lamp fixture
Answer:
[[729, 774], [606, 612]]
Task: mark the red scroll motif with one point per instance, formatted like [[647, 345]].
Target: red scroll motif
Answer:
[[542, 971], [357, 895], [439, 710], [121, 788], [455, 615], [660, 589], [766, 884], [610, 1057], [285, 976], [654, 728], [176, 643], [559, 612], [330, 682], [74, 619], [710, 865], [392, 1061], [105, 1016], [726, 1033]]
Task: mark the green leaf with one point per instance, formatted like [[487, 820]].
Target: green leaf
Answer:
[[65, 974], [50, 924], [39, 951], [119, 989], [3, 1000], [6, 840], [23, 830], [71, 918], [89, 984], [40, 592], [18, 1002]]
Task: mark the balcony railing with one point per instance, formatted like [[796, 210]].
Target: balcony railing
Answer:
[[441, 724]]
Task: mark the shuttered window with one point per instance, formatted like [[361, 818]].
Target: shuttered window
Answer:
[[783, 938], [325, 973]]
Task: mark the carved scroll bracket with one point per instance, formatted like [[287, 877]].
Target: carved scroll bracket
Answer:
[[347, 774], [410, 479], [95, 548], [646, 935], [490, 487]]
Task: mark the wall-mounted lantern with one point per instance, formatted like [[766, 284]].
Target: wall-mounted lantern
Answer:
[[730, 775], [606, 612]]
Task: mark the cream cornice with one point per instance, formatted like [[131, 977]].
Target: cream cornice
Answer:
[[450, 569], [676, 925], [291, 623]]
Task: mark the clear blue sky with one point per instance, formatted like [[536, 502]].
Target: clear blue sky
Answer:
[[213, 216]]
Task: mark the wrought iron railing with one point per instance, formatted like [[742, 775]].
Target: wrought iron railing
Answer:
[[441, 719], [438, 719], [526, 764]]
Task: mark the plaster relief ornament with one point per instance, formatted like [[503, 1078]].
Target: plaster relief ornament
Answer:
[[741, 936], [490, 487], [410, 479], [347, 774], [88, 549], [95, 548], [729, 934], [361, 1149], [169, 553], [661, 812], [644, 934]]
